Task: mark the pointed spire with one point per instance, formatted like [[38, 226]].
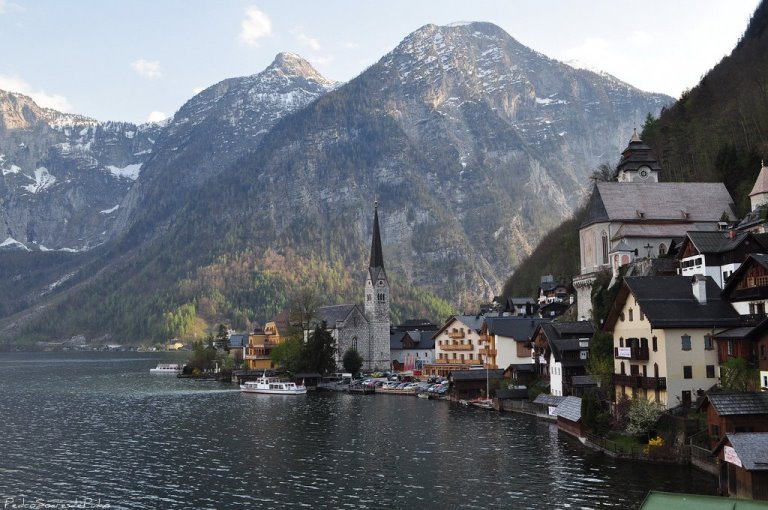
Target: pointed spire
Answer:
[[635, 136], [377, 256]]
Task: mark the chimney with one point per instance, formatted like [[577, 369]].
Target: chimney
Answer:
[[699, 283]]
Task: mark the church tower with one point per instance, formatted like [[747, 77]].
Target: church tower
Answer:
[[377, 304], [638, 163]]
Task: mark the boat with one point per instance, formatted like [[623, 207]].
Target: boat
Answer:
[[167, 368], [483, 403], [273, 386]]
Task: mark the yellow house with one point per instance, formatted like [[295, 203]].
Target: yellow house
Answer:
[[263, 340], [663, 328]]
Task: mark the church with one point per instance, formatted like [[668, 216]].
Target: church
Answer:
[[364, 329], [637, 216]]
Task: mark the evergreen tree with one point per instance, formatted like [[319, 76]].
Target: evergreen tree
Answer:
[[352, 361], [222, 338], [318, 352]]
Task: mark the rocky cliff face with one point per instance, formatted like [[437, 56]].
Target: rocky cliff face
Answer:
[[474, 144], [63, 176], [211, 131]]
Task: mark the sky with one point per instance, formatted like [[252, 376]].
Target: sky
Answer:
[[141, 60]]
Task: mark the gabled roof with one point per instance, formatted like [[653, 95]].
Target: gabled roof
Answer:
[[518, 328], [751, 447], [281, 321], [720, 241], [669, 302], [751, 260], [560, 346], [471, 321], [521, 301], [238, 340], [570, 409], [336, 313], [396, 340], [658, 201], [732, 404], [567, 329]]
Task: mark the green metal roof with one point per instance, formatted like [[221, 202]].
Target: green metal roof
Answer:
[[670, 501]]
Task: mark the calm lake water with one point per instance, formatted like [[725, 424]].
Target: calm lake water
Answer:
[[97, 430]]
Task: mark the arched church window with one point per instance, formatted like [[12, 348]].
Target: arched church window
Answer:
[[604, 236], [662, 250]]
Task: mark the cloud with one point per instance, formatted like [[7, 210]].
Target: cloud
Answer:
[[2, 6], [42, 98], [156, 117], [305, 39], [147, 68], [255, 26], [321, 60]]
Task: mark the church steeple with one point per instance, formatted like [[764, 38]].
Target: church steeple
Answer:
[[377, 257], [638, 163]]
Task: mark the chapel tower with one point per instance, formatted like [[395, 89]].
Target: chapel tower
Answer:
[[377, 304]]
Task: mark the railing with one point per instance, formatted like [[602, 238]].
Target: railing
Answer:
[[459, 361], [456, 334], [635, 353], [638, 381], [456, 347], [487, 351], [753, 281]]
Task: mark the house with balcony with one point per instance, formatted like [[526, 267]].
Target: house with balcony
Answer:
[[510, 338], [718, 253], [561, 352], [663, 337], [411, 350], [551, 291], [460, 344]]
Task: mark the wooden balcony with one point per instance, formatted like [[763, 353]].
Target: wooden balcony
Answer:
[[456, 347], [632, 353], [487, 351], [459, 361], [456, 334], [638, 381]]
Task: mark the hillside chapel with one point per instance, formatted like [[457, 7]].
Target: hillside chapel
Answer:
[[366, 330], [637, 216]]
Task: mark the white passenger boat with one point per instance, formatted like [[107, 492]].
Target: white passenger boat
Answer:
[[273, 386], [167, 368]]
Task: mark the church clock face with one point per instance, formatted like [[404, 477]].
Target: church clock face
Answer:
[[644, 172]]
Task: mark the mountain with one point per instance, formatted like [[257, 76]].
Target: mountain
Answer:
[[718, 130], [63, 176], [211, 131], [473, 144]]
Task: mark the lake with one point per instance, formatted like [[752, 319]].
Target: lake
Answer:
[[96, 430]]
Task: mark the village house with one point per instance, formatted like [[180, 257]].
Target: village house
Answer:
[[747, 288], [511, 341], [735, 412], [411, 350], [718, 253], [743, 465], [562, 352], [458, 346], [638, 216], [521, 306], [569, 416], [663, 336], [260, 345], [551, 291]]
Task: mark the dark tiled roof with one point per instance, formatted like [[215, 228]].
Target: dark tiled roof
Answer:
[[335, 313], [752, 449], [560, 346], [549, 400], [519, 328], [396, 340], [570, 409], [377, 255], [521, 367], [239, 340], [675, 201], [476, 375], [716, 241], [668, 301], [521, 300], [730, 404]]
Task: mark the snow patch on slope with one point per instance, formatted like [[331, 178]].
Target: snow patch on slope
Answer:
[[126, 172], [43, 180]]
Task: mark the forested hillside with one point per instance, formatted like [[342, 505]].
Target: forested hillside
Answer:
[[716, 132]]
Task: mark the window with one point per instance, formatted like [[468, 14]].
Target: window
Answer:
[[708, 343], [687, 372], [621, 341], [686, 342], [621, 316], [655, 343], [757, 308], [710, 371], [605, 247], [714, 432], [583, 354], [730, 347], [631, 315], [623, 370], [662, 250], [642, 315]]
